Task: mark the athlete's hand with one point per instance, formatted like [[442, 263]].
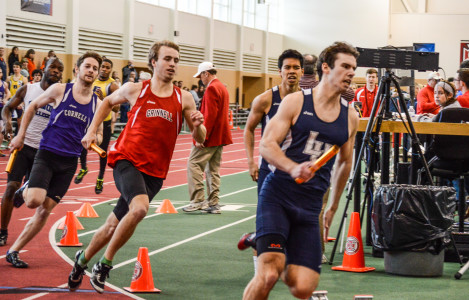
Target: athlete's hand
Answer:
[[199, 145], [254, 171], [328, 216], [197, 118], [99, 92], [7, 130], [302, 171], [17, 143], [88, 139]]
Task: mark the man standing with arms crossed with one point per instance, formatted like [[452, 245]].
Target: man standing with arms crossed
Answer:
[[25, 157], [103, 87], [141, 155], [306, 125], [56, 160], [214, 106], [263, 108]]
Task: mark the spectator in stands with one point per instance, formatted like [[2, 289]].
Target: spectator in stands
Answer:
[[179, 84], [127, 70], [132, 77], [24, 68], [50, 54], [444, 96], [366, 95], [16, 80], [308, 80], [30, 58], [425, 98], [12, 58], [193, 92], [3, 65], [463, 83], [37, 76], [201, 91]]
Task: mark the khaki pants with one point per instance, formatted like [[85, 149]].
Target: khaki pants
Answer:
[[206, 159]]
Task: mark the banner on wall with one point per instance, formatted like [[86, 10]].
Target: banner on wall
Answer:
[[37, 6], [464, 50]]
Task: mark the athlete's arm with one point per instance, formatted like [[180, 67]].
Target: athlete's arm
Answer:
[[114, 86], [193, 117], [275, 133], [259, 106], [13, 103], [53, 94], [7, 94], [342, 170], [128, 93]]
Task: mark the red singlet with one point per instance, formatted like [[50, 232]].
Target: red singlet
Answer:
[[149, 137]]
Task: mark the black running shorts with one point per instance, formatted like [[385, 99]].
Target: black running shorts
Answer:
[[23, 164], [53, 173], [131, 182]]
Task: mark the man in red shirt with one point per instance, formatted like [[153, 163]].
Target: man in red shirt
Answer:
[[214, 106], [366, 95], [463, 83], [426, 98]]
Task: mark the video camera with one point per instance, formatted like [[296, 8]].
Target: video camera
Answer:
[[398, 59]]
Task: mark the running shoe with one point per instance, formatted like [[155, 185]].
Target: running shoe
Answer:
[[196, 206], [2, 154], [247, 240], [18, 199], [99, 186], [80, 175], [76, 276], [3, 239], [14, 259], [213, 209], [99, 274]]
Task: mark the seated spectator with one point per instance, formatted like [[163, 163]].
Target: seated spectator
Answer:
[[30, 58], [24, 69], [425, 98], [463, 83], [37, 75], [50, 54], [444, 97]]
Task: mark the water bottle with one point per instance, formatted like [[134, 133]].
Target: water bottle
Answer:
[[411, 111]]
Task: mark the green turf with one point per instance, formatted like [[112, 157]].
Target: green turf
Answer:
[[211, 267]]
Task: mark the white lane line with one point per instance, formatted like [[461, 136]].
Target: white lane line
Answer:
[[186, 240], [21, 251]]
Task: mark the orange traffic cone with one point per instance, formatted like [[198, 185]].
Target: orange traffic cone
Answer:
[[69, 233], [166, 207], [354, 260], [77, 223], [86, 211], [230, 119], [142, 280]]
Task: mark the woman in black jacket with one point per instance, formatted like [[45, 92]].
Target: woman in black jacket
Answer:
[[14, 56]]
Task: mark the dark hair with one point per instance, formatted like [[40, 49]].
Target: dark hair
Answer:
[[153, 53], [329, 55], [212, 71], [372, 71], [17, 63], [29, 52], [289, 53], [464, 64], [12, 53], [450, 79], [37, 71], [91, 54], [310, 64], [108, 61], [464, 76], [450, 100], [193, 87], [50, 52]]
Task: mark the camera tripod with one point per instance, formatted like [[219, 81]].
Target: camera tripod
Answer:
[[370, 138]]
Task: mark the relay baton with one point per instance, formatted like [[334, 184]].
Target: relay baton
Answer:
[[11, 161], [98, 150], [321, 161]]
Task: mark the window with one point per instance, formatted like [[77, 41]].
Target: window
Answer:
[[163, 3]]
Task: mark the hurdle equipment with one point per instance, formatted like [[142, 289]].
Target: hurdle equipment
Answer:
[[77, 223], [354, 259], [69, 233], [142, 279], [166, 207], [86, 211]]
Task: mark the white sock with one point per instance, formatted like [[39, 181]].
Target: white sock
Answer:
[[254, 259]]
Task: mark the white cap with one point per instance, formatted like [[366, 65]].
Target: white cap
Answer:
[[434, 75], [205, 66]]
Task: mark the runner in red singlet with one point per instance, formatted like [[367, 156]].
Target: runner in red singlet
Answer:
[[141, 156]]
